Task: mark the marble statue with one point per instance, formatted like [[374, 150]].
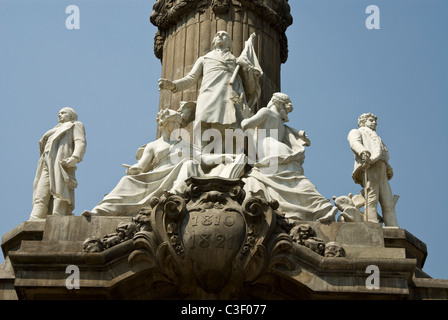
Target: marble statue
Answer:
[[302, 232], [61, 148], [284, 151], [305, 235], [161, 165], [220, 105], [334, 249], [372, 170], [350, 207]]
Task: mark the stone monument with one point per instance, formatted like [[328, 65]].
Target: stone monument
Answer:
[[188, 221]]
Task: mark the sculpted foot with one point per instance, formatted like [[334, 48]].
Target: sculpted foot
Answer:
[[328, 218], [87, 213]]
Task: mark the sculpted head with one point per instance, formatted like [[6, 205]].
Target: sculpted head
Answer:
[[169, 119], [302, 232], [368, 120], [222, 40], [67, 114], [93, 245], [334, 249], [283, 104]]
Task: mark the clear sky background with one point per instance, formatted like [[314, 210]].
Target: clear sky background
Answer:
[[337, 69]]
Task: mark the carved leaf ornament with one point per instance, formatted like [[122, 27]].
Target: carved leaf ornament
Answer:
[[212, 237]]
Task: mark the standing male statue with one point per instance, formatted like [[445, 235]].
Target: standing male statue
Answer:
[[222, 102], [372, 170], [61, 148]]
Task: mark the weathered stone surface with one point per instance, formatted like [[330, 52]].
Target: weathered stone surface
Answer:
[[426, 288], [35, 267], [7, 277], [27, 230]]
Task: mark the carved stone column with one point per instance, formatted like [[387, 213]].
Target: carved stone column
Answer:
[[186, 29]]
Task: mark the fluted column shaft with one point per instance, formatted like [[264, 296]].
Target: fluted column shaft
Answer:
[[186, 30]]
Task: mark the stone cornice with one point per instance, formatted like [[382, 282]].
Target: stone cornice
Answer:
[[167, 13]]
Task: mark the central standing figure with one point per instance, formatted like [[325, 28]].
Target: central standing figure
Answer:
[[222, 103]]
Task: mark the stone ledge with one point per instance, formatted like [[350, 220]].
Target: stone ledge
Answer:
[[401, 238], [27, 230], [350, 234], [428, 288], [44, 254], [40, 251]]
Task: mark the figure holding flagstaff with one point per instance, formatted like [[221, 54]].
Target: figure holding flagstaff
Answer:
[[229, 88], [372, 170]]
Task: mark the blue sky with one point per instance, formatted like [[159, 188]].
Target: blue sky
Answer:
[[337, 69]]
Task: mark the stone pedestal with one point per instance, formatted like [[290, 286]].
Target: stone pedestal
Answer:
[[38, 254]]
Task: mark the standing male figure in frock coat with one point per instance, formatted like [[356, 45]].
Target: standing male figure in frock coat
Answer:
[[372, 168], [61, 148]]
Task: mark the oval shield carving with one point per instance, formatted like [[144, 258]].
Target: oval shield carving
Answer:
[[211, 239]]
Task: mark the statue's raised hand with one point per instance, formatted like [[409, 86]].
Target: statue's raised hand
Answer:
[[165, 84]]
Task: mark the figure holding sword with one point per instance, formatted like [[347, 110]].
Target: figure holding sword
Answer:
[[372, 170]]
